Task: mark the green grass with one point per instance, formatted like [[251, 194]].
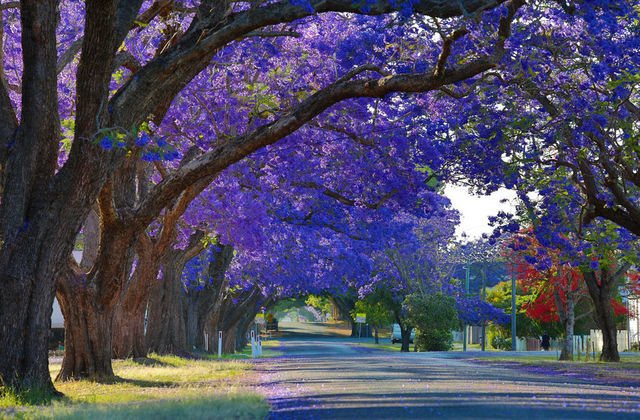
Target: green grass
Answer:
[[552, 356], [157, 388], [268, 350], [386, 345], [627, 371]]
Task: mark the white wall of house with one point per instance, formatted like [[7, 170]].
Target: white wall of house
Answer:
[[634, 321], [57, 320]]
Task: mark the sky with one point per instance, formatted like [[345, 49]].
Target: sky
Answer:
[[475, 210]]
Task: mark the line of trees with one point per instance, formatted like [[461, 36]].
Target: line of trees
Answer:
[[293, 130]]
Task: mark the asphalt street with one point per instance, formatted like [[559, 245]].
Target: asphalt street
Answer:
[[332, 378]]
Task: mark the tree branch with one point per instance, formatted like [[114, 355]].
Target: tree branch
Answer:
[[164, 76], [446, 50], [236, 148]]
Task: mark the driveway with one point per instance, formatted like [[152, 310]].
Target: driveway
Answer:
[[332, 378]]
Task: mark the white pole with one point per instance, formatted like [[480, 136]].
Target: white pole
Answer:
[[259, 346], [206, 342], [253, 344], [219, 344]]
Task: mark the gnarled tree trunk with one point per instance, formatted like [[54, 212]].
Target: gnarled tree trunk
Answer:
[[42, 209], [346, 304], [87, 342], [202, 304], [235, 313], [600, 291], [166, 331], [87, 302], [129, 316]]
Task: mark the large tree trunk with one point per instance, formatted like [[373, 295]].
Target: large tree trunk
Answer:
[[166, 333], [233, 318], [87, 341], [600, 292], [26, 302], [202, 304], [36, 230], [405, 334], [129, 317], [129, 329], [166, 330], [88, 302], [346, 304]]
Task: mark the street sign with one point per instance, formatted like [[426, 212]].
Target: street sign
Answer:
[[361, 318], [260, 319]]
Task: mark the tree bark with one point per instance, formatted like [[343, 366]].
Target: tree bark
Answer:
[[346, 304], [129, 330], [87, 341], [405, 334], [600, 291], [129, 316], [166, 329], [202, 304], [235, 313], [88, 301]]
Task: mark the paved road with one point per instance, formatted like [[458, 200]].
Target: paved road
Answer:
[[323, 378]]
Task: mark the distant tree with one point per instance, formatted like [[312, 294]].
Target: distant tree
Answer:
[[378, 315], [434, 317]]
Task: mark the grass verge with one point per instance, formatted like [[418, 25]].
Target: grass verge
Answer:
[[388, 346], [268, 350], [160, 387], [624, 373]]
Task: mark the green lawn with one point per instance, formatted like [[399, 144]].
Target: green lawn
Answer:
[[626, 373], [385, 345], [162, 387], [552, 356]]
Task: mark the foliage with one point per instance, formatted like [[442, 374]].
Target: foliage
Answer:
[[378, 314], [434, 317], [500, 297], [321, 303], [500, 343]]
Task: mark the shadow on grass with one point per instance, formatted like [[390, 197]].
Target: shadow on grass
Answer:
[[23, 396], [151, 362], [115, 380]]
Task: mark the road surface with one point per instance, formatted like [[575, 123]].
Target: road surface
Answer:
[[332, 378]]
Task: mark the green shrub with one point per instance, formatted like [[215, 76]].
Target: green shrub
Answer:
[[501, 343], [434, 316], [434, 340]]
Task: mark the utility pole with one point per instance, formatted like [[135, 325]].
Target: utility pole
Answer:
[[513, 312], [484, 281], [464, 329]]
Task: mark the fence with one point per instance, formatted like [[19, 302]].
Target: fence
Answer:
[[624, 339]]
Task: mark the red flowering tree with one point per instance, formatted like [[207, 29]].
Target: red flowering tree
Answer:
[[556, 286]]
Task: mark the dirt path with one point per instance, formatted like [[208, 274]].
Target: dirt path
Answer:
[[331, 379]]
